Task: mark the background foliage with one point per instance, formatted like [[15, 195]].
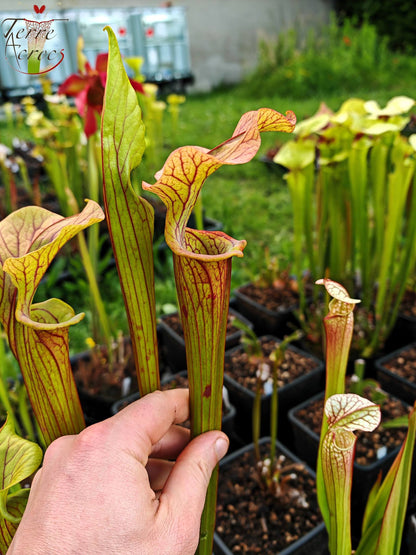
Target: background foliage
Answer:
[[394, 19]]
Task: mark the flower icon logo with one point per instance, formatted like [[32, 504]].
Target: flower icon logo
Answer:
[[34, 57]]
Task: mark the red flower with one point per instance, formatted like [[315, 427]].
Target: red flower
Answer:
[[88, 90]]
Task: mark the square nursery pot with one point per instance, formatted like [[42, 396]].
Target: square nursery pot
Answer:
[[370, 458], [396, 373], [409, 536], [271, 310], [249, 520], [180, 379], [404, 331], [300, 376], [173, 343]]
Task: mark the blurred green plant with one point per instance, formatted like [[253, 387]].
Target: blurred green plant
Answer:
[[360, 385], [337, 57], [351, 178]]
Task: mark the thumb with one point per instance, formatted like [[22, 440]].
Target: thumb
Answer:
[[186, 487]]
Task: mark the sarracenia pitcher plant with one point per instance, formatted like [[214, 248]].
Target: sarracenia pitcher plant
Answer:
[[202, 260], [339, 325], [344, 413], [37, 334]]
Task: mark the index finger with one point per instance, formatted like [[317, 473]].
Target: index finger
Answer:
[[142, 424]]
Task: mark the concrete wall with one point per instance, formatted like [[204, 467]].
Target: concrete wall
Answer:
[[223, 34]]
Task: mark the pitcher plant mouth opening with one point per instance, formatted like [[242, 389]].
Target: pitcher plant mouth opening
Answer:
[[180, 181]]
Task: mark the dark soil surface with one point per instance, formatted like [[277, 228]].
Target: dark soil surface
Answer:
[[273, 298], [404, 365], [368, 443], [242, 368], [252, 520]]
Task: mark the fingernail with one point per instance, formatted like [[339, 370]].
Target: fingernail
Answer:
[[221, 447]]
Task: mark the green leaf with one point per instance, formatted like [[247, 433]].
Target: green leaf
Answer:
[[312, 125], [395, 106], [398, 422], [38, 334], [296, 155], [19, 458], [353, 106], [16, 504], [129, 217], [386, 510], [345, 413]]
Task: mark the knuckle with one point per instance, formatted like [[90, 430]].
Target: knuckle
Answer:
[[91, 439], [54, 449]]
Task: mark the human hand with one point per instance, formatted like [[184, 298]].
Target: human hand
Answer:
[[114, 488]]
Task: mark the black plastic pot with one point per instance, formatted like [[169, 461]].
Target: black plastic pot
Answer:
[[409, 536], [274, 322], [403, 333], [391, 381], [173, 344], [404, 330], [315, 542], [306, 443], [289, 396]]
